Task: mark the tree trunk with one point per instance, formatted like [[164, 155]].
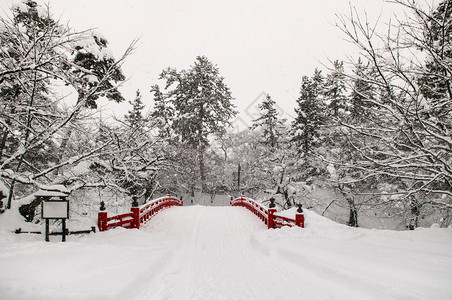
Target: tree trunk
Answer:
[[3, 142], [239, 170], [353, 217], [25, 140], [5, 132], [202, 168]]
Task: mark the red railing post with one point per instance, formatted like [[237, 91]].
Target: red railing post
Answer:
[[102, 220], [271, 218], [299, 216], [299, 220], [167, 203], [102, 217], [136, 217]]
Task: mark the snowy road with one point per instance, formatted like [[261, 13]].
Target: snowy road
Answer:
[[200, 252]]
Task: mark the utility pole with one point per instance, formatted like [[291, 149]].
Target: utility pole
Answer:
[[238, 177]]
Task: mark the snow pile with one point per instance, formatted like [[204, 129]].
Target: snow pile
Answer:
[[199, 252]]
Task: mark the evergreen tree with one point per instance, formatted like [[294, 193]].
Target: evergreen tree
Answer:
[[334, 90], [134, 117], [436, 82], [202, 106], [362, 91], [309, 114], [162, 113], [270, 123]]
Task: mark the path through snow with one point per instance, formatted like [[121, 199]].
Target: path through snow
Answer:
[[199, 252]]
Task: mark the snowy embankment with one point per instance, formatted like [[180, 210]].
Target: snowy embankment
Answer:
[[199, 252]]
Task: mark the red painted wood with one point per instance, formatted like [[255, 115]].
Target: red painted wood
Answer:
[[102, 220], [268, 215], [299, 220], [138, 215], [271, 218]]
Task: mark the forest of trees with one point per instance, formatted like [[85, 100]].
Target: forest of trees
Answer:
[[372, 134]]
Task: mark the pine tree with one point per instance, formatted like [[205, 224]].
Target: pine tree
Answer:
[[202, 106], [436, 83], [334, 90], [309, 114], [134, 117], [362, 91], [270, 123], [162, 113]]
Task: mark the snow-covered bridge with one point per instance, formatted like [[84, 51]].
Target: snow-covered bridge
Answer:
[[141, 214]]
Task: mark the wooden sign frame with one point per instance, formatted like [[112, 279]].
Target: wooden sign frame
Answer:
[[55, 209]]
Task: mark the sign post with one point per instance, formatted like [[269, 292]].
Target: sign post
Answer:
[[54, 206]]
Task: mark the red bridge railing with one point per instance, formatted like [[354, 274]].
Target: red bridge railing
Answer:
[[137, 215], [268, 215]]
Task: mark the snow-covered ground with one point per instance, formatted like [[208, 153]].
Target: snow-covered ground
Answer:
[[199, 252]]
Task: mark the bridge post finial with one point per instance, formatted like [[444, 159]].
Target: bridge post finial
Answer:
[[300, 208], [135, 201], [272, 203]]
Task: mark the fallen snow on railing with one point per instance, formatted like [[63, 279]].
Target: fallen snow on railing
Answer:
[[138, 215], [268, 215]]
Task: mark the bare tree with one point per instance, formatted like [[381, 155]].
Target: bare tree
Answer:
[[406, 137]]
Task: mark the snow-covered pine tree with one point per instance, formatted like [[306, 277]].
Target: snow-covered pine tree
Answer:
[[335, 89], [94, 73], [269, 122], [362, 91], [162, 113], [202, 106], [310, 114], [134, 117], [436, 82]]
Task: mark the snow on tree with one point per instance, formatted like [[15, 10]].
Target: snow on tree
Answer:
[[134, 117], [202, 106], [310, 113], [335, 89], [130, 165], [162, 113], [272, 127], [361, 90], [38, 54], [405, 139], [435, 83]]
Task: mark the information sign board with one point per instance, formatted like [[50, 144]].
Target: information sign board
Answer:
[[55, 209]]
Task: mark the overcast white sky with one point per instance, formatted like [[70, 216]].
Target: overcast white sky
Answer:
[[259, 46]]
